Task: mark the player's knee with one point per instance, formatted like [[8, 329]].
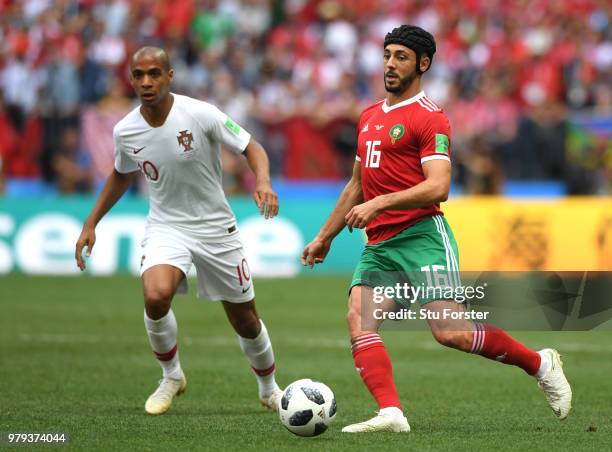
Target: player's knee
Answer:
[[157, 295], [448, 338], [157, 301]]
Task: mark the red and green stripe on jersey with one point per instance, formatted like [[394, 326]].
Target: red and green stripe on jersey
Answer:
[[393, 143]]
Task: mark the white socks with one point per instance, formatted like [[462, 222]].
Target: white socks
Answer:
[[162, 337], [259, 353], [545, 365]]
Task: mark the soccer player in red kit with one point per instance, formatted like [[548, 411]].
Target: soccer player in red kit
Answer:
[[401, 174]]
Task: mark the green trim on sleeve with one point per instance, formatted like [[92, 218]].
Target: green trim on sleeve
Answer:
[[232, 126]]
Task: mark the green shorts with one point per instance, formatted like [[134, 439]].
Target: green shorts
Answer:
[[420, 263]]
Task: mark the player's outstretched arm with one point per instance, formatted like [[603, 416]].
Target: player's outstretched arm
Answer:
[[116, 185], [315, 251], [264, 195], [432, 190]]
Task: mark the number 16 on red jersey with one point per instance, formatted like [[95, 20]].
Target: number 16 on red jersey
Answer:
[[373, 154]]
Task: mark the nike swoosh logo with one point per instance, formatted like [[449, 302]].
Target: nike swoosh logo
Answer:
[[245, 290], [136, 151]]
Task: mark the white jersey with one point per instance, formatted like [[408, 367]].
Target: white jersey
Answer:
[[181, 160]]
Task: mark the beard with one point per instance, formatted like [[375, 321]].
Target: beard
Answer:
[[403, 84]]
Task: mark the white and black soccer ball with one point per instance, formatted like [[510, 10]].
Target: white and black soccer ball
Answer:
[[307, 407]]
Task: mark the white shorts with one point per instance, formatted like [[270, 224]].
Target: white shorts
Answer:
[[222, 269]]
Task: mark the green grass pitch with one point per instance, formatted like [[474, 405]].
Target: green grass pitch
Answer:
[[75, 359]]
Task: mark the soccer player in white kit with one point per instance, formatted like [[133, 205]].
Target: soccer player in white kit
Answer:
[[175, 142]]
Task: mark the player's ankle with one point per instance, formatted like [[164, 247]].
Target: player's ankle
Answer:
[[267, 389], [392, 411], [174, 374], [545, 365]]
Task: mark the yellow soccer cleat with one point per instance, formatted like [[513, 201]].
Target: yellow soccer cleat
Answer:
[[272, 401], [160, 401]]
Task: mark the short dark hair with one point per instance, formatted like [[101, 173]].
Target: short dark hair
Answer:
[[415, 38], [155, 52]]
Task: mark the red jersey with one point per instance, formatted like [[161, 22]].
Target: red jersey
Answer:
[[392, 145]]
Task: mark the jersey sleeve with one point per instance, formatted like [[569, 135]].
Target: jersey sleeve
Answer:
[[223, 129], [123, 164], [358, 131], [435, 138]]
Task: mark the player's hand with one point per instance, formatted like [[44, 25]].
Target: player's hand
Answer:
[[315, 252], [86, 239], [266, 199], [361, 214]]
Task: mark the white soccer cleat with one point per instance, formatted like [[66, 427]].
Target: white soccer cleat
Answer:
[[160, 401], [387, 420], [272, 401], [555, 386]]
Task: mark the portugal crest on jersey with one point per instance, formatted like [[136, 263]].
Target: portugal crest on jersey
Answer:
[[185, 138], [396, 132]]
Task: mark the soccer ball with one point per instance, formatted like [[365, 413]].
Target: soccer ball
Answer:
[[307, 407]]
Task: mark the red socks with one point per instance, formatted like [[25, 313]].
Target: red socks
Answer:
[[493, 343], [374, 366]]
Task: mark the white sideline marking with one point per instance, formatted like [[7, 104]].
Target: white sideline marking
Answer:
[[231, 341]]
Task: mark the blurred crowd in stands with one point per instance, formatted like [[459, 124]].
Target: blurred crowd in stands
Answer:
[[527, 84]]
